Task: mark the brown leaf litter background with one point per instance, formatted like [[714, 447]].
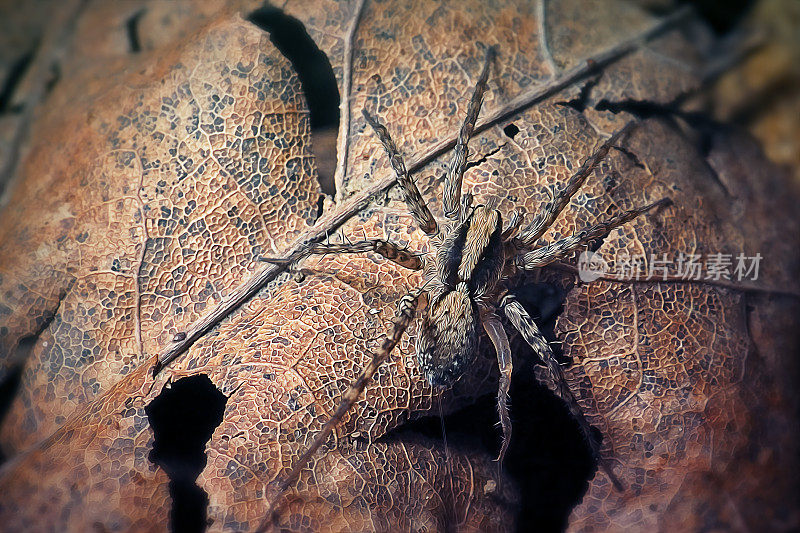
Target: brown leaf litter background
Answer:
[[144, 184]]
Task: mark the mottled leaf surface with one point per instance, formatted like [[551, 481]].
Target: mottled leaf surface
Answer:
[[155, 182]]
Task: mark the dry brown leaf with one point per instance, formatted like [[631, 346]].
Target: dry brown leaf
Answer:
[[155, 182]]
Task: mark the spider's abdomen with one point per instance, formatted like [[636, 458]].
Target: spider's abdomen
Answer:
[[448, 337]]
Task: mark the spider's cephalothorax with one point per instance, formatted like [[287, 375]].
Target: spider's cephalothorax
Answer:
[[466, 271], [465, 277]]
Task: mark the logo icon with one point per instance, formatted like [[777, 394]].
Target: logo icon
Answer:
[[591, 266]]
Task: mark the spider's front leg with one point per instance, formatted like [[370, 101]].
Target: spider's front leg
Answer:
[[411, 195], [455, 175], [523, 322], [405, 314], [493, 327]]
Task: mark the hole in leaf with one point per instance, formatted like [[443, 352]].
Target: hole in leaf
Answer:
[[642, 109], [132, 30], [317, 80], [511, 130], [632, 157], [548, 459], [15, 74], [183, 418], [482, 160], [705, 129], [9, 386], [320, 206], [579, 104]]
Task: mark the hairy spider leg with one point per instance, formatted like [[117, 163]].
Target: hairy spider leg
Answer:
[[545, 218], [387, 249], [452, 184], [416, 204], [523, 322], [514, 225], [564, 247], [405, 314], [497, 334]]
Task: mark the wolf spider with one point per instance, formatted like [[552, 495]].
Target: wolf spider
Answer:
[[464, 279]]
